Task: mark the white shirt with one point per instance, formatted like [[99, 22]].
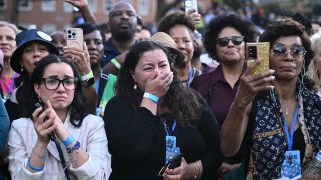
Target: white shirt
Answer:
[[92, 138]]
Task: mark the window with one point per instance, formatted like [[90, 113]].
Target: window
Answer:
[[25, 5], [92, 5], [68, 7], [108, 5], [48, 5], [3, 4], [143, 7]]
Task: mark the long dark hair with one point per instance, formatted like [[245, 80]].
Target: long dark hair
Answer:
[[77, 107], [182, 101]]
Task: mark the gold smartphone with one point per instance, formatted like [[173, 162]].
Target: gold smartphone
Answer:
[[75, 37], [254, 51]]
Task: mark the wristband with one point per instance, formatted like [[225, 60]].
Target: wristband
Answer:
[[68, 141], [151, 97], [87, 76], [34, 168], [75, 147], [116, 63]]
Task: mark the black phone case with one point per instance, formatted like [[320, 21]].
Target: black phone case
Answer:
[[175, 161]]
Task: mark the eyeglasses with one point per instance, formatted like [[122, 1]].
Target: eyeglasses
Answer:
[[53, 83], [236, 40], [280, 51]]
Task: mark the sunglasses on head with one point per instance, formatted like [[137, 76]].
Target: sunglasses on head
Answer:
[[236, 40], [280, 50]]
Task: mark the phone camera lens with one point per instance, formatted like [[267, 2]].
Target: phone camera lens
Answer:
[[74, 34], [69, 31], [69, 36]]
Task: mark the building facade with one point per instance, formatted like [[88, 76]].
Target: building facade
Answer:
[[51, 15]]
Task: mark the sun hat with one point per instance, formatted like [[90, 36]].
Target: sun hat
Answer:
[[26, 37], [166, 40]]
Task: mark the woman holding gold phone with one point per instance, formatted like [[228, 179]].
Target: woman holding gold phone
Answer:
[[225, 38], [279, 123]]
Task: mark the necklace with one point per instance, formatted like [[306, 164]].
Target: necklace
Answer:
[[285, 111]]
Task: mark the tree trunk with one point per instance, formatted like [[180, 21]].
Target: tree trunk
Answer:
[[162, 8]]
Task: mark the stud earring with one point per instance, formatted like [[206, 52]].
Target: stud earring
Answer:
[[135, 86]]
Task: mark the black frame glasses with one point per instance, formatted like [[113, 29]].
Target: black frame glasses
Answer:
[[236, 40], [52, 83], [279, 50]]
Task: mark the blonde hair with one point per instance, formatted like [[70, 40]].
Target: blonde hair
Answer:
[[313, 72], [12, 26]]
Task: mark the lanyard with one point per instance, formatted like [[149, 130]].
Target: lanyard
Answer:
[[97, 85], [168, 133], [11, 86], [288, 135], [190, 77]]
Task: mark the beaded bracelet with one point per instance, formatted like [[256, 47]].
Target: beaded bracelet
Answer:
[[34, 168], [74, 148], [42, 157]]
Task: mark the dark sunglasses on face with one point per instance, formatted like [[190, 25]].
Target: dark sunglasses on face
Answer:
[[236, 40], [297, 51]]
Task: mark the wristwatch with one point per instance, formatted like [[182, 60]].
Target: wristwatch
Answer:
[[89, 82]]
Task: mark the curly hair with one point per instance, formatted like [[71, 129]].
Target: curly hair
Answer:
[[183, 102], [176, 18], [229, 19], [288, 27], [77, 106]]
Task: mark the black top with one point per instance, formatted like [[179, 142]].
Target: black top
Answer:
[[136, 141]]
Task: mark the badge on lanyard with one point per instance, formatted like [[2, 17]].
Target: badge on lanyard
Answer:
[[291, 167], [171, 148]]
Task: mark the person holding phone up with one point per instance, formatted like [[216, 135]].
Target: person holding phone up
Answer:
[[153, 117], [224, 40], [280, 122], [79, 150]]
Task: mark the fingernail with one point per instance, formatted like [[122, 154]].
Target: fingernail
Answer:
[[271, 70], [272, 77]]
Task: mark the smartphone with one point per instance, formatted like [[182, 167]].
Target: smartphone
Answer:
[[75, 37], [254, 51], [52, 135], [172, 163], [190, 4]]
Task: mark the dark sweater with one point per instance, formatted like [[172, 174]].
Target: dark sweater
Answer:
[[136, 142]]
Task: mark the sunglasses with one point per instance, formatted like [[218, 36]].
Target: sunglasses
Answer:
[[236, 40], [279, 51]]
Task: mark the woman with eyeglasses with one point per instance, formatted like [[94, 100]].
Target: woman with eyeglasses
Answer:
[[224, 40], [57, 140], [280, 122]]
